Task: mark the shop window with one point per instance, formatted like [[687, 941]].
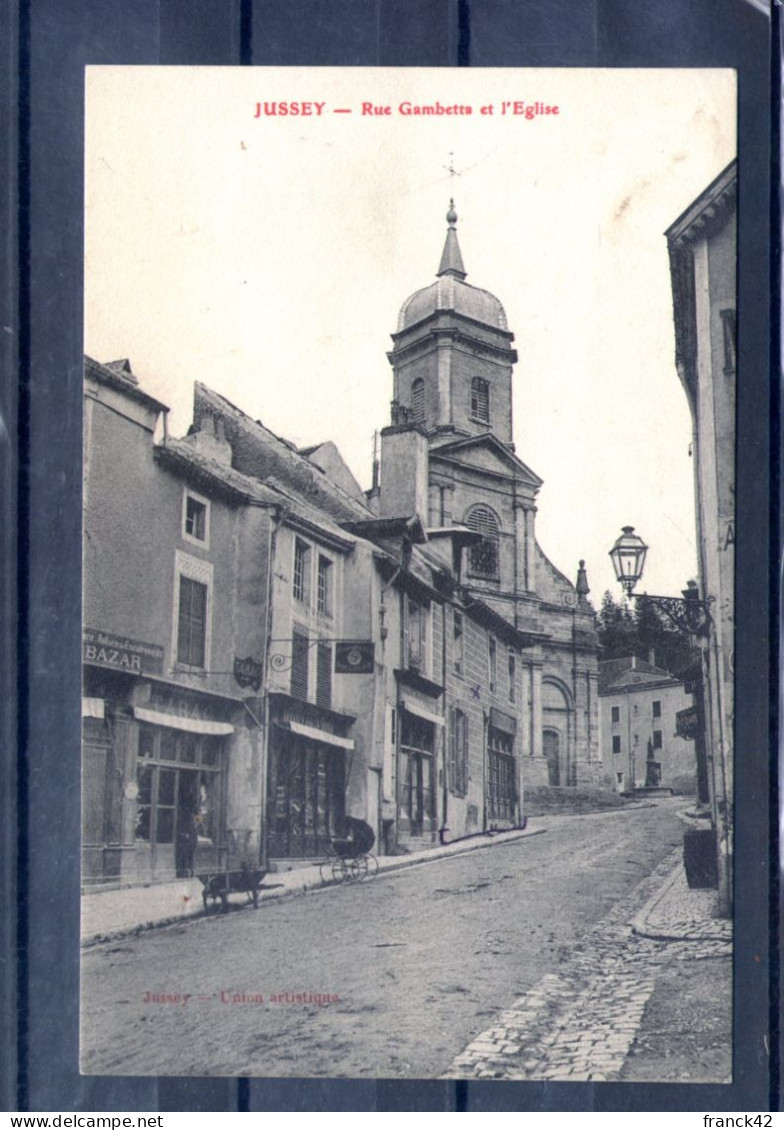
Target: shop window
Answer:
[[192, 623], [458, 752], [502, 789], [657, 710], [458, 657], [480, 400], [301, 576], [196, 519], [324, 594], [300, 656], [483, 557], [417, 775], [324, 674], [616, 743], [657, 739]]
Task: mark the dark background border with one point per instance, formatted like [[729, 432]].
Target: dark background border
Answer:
[[49, 43]]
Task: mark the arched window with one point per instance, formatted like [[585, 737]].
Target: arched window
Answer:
[[480, 399], [483, 557], [418, 401]]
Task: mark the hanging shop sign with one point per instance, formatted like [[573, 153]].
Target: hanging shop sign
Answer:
[[687, 723], [247, 672], [354, 657], [136, 657]]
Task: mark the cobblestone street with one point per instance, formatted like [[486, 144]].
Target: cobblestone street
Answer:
[[516, 961], [581, 1023]]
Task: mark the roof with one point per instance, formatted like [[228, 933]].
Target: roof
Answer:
[[451, 292], [632, 673], [118, 375]]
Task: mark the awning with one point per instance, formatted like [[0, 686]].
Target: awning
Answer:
[[178, 722], [415, 708], [321, 735], [92, 708]]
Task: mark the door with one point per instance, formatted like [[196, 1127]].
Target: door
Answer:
[[551, 745]]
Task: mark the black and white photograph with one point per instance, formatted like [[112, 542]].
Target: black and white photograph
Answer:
[[408, 572]]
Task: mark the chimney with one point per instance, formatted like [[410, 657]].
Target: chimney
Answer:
[[403, 486], [210, 440]]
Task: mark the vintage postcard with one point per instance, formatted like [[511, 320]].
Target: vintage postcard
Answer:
[[408, 573]]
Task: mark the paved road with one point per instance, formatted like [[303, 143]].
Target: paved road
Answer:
[[410, 968]]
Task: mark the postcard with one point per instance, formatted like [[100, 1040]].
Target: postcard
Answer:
[[408, 573]]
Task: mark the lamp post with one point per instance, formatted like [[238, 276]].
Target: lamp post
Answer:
[[690, 615]]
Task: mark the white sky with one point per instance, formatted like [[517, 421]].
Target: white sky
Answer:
[[269, 257]]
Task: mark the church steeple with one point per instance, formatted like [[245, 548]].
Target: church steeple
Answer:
[[451, 259], [453, 356]]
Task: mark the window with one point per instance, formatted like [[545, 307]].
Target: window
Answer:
[[324, 674], [301, 578], [657, 739], [300, 655], [458, 752], [195, 519], [418, 401], [192, 623], [657, 710], [616, 748], [492, 657], [483, 557], [418, 636], [457, 643], [502, 791], [324, 594], [480, 399], [616, 715], [512, 674]]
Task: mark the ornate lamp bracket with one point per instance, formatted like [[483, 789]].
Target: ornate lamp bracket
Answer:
[[688, 613]]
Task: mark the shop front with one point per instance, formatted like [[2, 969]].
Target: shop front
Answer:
[[420, 730], [310, 761]]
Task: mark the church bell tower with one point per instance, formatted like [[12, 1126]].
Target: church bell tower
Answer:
[[452, 355]]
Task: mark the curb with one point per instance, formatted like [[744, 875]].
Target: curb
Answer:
[[400, 863], [639, 924]]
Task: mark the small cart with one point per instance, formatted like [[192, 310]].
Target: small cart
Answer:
[[220, 884]]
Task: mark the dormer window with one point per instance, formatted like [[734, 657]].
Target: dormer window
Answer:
[[480, 400], [483, 557], [418, 401]]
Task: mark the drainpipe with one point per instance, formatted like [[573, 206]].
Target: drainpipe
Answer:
[[277, 515]]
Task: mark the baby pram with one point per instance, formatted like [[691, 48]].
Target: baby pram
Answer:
[[351, 856]]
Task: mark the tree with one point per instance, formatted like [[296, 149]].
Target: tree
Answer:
[[643, 631]]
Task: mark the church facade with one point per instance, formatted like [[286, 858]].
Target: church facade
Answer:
[[452, 362]]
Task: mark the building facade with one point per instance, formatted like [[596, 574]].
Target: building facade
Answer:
[[702, 246], [642, 737]]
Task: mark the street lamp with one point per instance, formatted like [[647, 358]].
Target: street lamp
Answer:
[[690, 615], [628, 558]]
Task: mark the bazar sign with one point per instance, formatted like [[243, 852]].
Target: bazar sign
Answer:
[[102, 649]]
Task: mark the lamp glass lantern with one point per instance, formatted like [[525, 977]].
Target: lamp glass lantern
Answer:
[[628, 558]]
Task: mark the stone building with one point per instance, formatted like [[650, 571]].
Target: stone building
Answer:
[[702, 246], [452, 362], [269, 649], [641, 733]]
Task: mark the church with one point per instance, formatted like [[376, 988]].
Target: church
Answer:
[[452, 361]]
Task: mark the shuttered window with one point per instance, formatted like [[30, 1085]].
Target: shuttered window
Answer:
[[324, 674], [480, 399], [483, 557], [418, 401], [300, 652], [192, 623]]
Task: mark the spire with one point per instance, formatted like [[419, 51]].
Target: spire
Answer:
[[582, 585], [451, 259]]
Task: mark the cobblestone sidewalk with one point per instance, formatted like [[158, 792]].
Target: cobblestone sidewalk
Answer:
[[580, 1023]]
